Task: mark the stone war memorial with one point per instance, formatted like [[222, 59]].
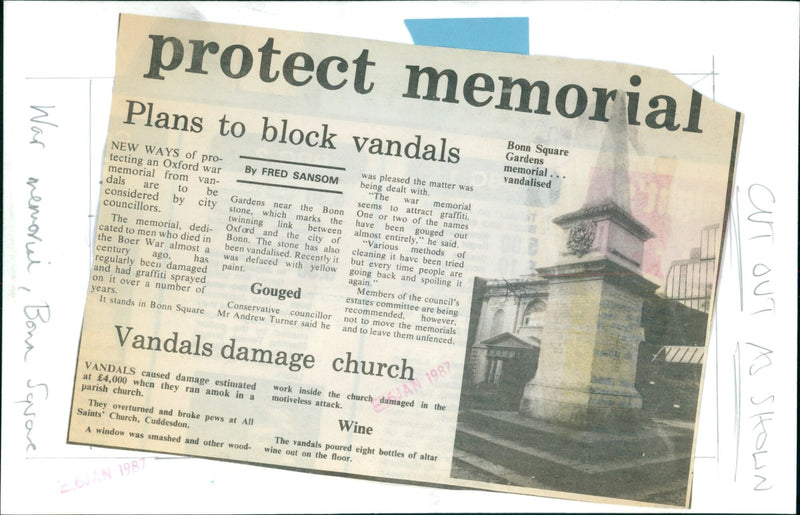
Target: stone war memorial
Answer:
[[593, 326], [579, 377]]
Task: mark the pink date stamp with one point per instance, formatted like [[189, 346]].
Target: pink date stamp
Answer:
[[398, 395], [103, 474]]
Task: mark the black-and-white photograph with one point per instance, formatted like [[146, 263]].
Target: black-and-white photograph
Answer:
[[585, 375]]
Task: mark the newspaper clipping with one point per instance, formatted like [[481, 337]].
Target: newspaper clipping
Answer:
[[417, 264]]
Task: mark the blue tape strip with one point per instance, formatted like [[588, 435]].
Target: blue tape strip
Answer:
[[494, 34]]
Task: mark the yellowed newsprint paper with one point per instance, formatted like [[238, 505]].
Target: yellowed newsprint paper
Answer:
[[405, 263]]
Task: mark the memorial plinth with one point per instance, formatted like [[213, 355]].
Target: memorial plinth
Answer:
[[592, 329]]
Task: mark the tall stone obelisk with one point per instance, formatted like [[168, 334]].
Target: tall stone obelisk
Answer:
[[592, 327]]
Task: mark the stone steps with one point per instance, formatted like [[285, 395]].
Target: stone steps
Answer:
[[510, 452], [668, 492], [662, 493], [655, 439], [502, 474]]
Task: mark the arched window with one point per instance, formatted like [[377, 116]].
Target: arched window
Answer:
[[532, 317], [498, 322]]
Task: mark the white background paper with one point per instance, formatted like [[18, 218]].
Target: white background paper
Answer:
[[62, 55]]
